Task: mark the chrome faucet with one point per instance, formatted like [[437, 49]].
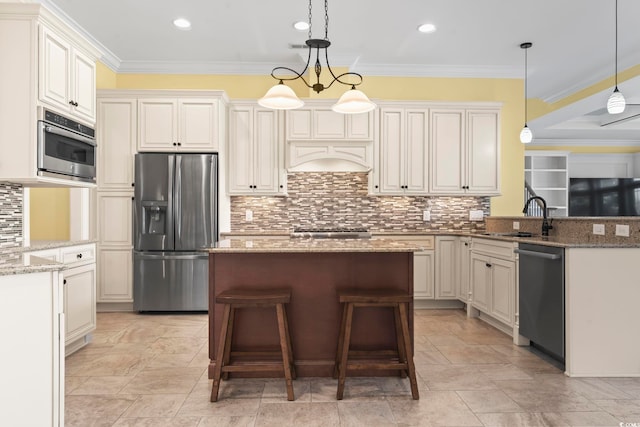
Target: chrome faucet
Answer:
[[546, 225]]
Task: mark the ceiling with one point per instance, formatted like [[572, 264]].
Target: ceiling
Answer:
[[573, 44]]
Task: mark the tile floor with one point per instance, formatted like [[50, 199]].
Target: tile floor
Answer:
[[150, 370]]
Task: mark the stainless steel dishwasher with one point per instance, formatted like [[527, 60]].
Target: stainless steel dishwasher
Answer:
[[541, 301]]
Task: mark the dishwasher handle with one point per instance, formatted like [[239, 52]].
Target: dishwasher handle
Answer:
[[537, 254]]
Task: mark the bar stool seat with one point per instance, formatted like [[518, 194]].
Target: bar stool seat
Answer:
[[400, 359], [225, 362]]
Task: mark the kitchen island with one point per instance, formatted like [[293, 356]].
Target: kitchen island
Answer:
[[314, 270]]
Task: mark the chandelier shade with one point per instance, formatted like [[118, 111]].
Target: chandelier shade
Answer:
[[352, 102]]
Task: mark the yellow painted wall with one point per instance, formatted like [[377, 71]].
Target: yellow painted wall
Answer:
[[49, 214]]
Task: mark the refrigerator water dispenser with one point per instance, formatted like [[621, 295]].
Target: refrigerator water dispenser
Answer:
[[154, 217]]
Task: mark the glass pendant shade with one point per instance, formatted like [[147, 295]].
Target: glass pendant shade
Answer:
[[280, 97], [616, 102], [526, 136], [353, 101]]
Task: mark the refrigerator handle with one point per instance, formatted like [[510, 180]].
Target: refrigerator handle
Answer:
[[177, 197]]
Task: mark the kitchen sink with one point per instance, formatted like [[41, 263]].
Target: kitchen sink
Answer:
[[510, 234]]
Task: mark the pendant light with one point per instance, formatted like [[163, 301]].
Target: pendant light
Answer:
[[526, 136], [282, 97], [616, 102]]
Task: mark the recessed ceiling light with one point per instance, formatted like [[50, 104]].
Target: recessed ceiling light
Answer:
[[182, 23], [301, 26], [427, 28]]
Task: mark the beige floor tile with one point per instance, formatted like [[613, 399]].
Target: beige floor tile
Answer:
[[323, 389], [163, 381], [582, 419], [359, 388], [155, 406], [303, 414], [430, 358], [102, 385], [163, 360], [489, 401], [591, 388], [631, 386], [159, 422], [95, 410], [178, 345], [227, 422], [275, 391], [71, 383], [625, 410], [534, 397], [199, 405], [240, 388], [435, 408], [445, 340], [524, 419], [112, 364], [503, 371], [365, 413], [454, 377], [470, 354]]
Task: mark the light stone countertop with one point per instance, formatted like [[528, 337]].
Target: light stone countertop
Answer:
[[39, 245], [16, 262], [298, 245]]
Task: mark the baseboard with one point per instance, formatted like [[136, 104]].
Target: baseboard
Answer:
[[106, 307], [436, 304]]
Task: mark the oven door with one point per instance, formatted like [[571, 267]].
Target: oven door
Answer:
[[62, 152]]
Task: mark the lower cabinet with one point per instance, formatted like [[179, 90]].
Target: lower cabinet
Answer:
[[115, 275], [464, 254], [493, 279], [79, 291], [446, 267], [423, 263]]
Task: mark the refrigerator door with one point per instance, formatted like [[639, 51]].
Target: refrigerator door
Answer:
[[170, 281], [196, 210], [153, 202]]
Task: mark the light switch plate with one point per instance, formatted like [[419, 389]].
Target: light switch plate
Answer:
[[426, 215], [622, 230], [248, 215], [598, 229], [516, 225], [476, 215]]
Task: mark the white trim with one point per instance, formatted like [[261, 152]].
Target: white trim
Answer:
[[26, 216], [585, 142]]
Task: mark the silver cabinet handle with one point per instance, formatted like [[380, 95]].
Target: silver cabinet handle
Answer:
[[537, 254]]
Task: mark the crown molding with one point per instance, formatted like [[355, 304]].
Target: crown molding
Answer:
[[585, 142]]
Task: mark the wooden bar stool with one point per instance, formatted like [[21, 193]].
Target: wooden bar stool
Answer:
[[399, 359], [225, 363]]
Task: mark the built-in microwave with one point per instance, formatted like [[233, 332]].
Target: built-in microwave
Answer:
[[66, 148]]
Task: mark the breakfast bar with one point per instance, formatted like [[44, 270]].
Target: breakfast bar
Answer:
[[314, 270]]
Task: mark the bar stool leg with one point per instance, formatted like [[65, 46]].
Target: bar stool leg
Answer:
[[343, 324], [289, 347], [220, 353], [402, 357], [407, 349], [229, 339], [342, 370], [285, 351]]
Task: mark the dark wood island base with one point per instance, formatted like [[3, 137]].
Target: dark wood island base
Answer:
[[314, 313]]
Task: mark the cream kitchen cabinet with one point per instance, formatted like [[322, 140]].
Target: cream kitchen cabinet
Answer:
[[464, 252], [316, 121], [79, 291], [465, 151], [116, 137], [67, 76], [180, 124], [114, 230], [401, 164], [446, 267], [493, 279], [255, 150], [32, 330], [423, 265]]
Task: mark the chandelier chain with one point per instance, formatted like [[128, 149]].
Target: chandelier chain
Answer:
[[525, 86], [310, 21], [616, 75], [326, 19]]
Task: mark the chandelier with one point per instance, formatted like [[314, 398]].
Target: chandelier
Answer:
[[282, 97]]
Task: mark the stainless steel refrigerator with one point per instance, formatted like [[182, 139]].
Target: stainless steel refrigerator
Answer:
[[175, 214]]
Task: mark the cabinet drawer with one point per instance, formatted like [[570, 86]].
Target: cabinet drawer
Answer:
[[494, 248], [427, 243], [78, 254]]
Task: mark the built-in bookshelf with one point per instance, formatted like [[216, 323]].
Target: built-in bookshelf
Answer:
[[548, 174]]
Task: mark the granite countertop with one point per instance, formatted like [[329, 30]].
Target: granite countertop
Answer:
[[14, 261], [298, 245], [39, 245]]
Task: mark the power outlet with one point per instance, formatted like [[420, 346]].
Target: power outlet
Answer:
[[598, 229], [426, 216], [248, 215], [516, 225], [476, 215], [622, 230]]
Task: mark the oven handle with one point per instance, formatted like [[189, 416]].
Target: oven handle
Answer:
[[537, 254], [72, 135]]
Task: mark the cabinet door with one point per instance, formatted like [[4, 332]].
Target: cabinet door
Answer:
[[446, 271], [327, 124], [117, 127], [198, 125], [503, 290], [115, 273], [480, 282], [447, 151], [299, 123], [390, 153], [115, 219], [54, 70], [83, 86], [416, 151], [462, 290], [79, 301], [266, 152], [240, 151], [482, 152], [359, 126], [157, 126], [423, 275]]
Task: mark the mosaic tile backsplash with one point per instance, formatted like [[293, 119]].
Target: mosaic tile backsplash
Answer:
[[10, 215], [340, 199]]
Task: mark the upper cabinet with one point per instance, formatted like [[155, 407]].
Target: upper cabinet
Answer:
[[67, 77], [316, 121], [402, 151], [180, 124], [117, 126], [465, 151], [255, 150]]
